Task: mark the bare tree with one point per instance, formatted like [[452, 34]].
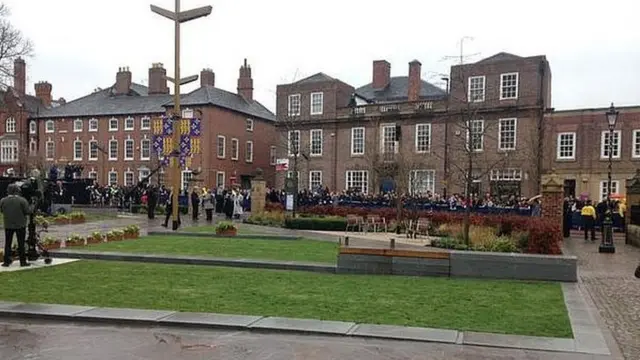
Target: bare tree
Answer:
[[13, 44], [470, 133], [396, 161]]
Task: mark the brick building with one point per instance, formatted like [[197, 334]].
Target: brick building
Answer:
[[578, 149], [109, 132], [492, 114], [18, 147]]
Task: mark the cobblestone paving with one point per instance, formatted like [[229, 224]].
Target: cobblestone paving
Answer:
[[51, 341], [609, 280]]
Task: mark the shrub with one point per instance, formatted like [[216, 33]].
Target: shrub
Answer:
[[316, 223], [271, 206], [77, 215], [501, 244], [97, 235], [544, 238], [271, 218]]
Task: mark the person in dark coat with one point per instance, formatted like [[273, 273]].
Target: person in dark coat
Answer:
[[219, 201], [567, 218], [228, 206], [601, 210], [152, 201], [195, 204]]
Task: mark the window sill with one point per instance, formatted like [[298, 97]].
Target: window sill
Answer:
[[113, 159], [315, 155], [96, 159], [248, 162], [221, 157], [234, 159], [113, 130], [77, 131], [132, 129], [147, 129], [128, 159], [145, 159], [357, 155], [77, 159], [566, 159], [510, 98], [93, 130]]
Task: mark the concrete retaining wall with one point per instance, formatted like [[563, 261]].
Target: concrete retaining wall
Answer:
[[458, 264]]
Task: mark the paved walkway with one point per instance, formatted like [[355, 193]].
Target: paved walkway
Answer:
[[609, 280], [54, 341]]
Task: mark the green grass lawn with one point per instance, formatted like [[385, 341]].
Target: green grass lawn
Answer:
[[236, 247], [476, 305]]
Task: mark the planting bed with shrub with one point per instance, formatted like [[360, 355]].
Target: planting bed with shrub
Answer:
[[503, 233]]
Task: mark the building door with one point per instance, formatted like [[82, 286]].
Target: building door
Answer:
[[570, 188]]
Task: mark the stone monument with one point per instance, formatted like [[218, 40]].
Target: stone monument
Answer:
[[258, 192]]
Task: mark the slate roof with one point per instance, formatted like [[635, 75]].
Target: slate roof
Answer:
[[31, 103], [209, 95], [397, 90], [319, 77], [138, 101], [501, 56]]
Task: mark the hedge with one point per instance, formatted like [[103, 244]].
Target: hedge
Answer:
[[316, 223]]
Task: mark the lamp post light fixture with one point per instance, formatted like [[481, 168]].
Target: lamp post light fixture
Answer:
[[178, 17], [607, 246]]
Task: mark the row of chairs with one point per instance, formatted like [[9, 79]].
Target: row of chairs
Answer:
[[374, 222]]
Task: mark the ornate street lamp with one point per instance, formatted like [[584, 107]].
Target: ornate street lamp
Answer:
[[607, 246]]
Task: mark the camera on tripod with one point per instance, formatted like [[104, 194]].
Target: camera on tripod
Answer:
[[32, 190]]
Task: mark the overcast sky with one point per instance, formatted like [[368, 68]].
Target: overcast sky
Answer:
[[594, 49]]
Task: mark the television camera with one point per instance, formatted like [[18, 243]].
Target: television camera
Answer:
[[33, 189]]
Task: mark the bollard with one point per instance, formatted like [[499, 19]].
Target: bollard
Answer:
[[346, 241], [392, 243]]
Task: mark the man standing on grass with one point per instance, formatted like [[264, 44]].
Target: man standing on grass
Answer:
[[15, 211]]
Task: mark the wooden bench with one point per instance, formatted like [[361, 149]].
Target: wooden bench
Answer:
[[375, 221], [354, 222]]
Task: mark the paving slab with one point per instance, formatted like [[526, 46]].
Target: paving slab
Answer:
[[303, 326], [44, 310], [591, 343], [518, 342], [38, 264], [123, 315], [405, 333], [210, 320]]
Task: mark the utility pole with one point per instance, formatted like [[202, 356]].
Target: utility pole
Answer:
[[178, 18]]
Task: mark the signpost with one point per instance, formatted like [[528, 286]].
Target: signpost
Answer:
[[178, 17]]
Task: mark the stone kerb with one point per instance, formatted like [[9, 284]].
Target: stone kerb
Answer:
[[463, 264]]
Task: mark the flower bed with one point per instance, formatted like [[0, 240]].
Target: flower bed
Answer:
[[75, 217], [543, 237]]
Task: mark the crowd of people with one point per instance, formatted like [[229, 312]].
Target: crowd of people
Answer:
[[422, 201], [586, 214]]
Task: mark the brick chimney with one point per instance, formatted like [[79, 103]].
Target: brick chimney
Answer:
[[381, 74], [43, 92], [415, 81], [157, 79], [208, 78], [123, 81], [245, 82], [19, 75]]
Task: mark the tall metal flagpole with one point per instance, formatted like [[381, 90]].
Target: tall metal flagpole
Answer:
[[178, 18]]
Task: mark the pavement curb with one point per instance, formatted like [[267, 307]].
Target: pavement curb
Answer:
[[210, 235], [191, 260], [117, 316]]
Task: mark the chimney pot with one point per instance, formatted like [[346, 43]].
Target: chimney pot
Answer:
[[415, 80], [43, 92], [123, 81], [245, 82], [158, 79], [19, 75], [207, 77], [381, 74]]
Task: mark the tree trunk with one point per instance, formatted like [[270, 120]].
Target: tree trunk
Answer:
[[467, 209]]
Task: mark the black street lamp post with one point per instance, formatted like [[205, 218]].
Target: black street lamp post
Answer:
[[607, 246]]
